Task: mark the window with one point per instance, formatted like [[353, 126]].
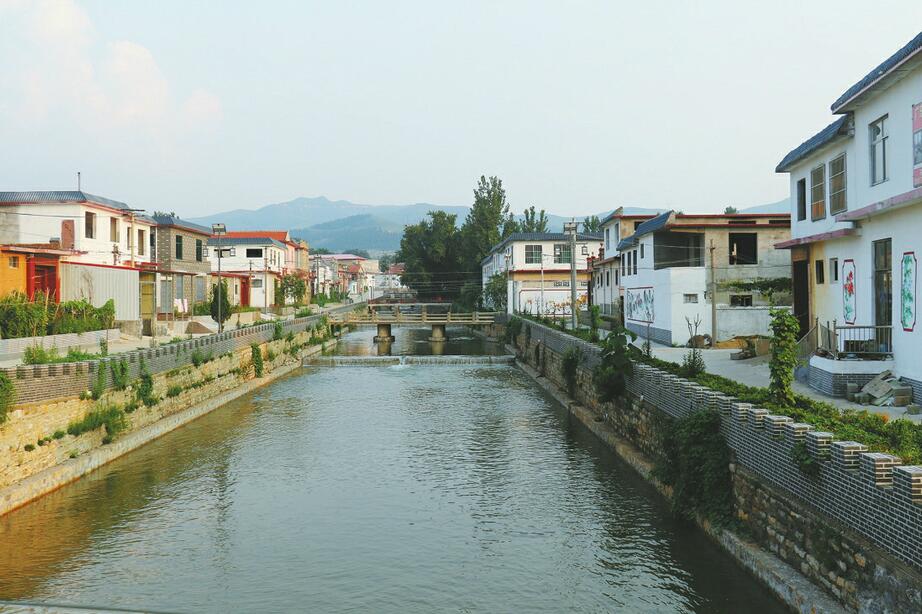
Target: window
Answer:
[[741, 222], [256, 283], [13, 261], [113, 229], [833, 270], [617, 280], [634, 261], [883, 283], [607, 239], [562, 253], [741, 300], [820, 276], [153, 244], [801, 200], [198, 250], [141, 242], [532, 254], [622, 264], [89, 225], [690, 298], [179, 247], [198, 289], [254, 252], [641, 251], [818, 193], [607, 278], [743, 248], [877, 139], [837, 185], [584, 250]]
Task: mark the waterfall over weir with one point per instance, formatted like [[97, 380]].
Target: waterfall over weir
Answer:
[[385, 361]]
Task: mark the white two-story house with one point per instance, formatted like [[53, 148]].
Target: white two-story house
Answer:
[[257, 261], [606, 269], [536, 266], [856, 191]]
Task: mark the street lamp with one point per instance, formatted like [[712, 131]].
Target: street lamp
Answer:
[[570, 228], [219, 230]]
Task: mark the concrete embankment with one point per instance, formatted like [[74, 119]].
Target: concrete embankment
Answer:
[[385, 361]]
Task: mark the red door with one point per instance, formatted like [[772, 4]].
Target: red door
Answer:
[[245, 292]]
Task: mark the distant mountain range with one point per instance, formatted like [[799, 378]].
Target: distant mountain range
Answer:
[[341, 225]]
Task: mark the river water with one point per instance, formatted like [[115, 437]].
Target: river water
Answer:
[[409, 488]]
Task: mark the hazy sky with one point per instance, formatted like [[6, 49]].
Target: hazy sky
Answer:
[[578, 106]]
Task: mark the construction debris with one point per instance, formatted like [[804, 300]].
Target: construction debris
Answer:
[[885, 389]]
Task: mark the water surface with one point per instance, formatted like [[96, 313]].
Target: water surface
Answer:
[[386, 489]]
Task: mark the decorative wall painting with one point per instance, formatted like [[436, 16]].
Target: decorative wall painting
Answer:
[[908, 269], [849, 279], [917, 145], [639, 304]]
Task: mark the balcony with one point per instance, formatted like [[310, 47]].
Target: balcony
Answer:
[[854, 342]]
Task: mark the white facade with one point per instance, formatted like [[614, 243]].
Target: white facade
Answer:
[[835, 240], [262, 260]]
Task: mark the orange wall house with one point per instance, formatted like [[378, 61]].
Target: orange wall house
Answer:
[[12, 272]]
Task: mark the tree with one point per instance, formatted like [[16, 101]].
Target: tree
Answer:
[[730, 210], [429, 251], [534, 221], [482, 229], [785, 329], [320, 250], [494, 292], [355, 251], [219, 297], [592, 224], [293, 287], [385, 262]]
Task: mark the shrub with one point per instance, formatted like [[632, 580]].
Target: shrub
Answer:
[[304, 312], [257, 357], [805, 461], [103, 347], [144, 391], [119, 371], [7, 396], [290, 337], [695, 461], [38, 355], [21, 317], [199, 357], [594, 320], [110, 417], [692, 364], [277, 331], [572, 358], [174, 391], [99, 384], [220, 302], [29, 447], [270, 354], [59, 434], [616, 364], [513, 329], [203, 309], [784, 356]]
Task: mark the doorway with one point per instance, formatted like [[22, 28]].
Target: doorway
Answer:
[[883, 283], [801, 291]]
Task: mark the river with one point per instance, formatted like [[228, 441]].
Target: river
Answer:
[[409, 488]]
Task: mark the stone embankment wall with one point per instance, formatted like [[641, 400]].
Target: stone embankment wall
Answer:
[[855, 530], [39, 455], [34, 383]]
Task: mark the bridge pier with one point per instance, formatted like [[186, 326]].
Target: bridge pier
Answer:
[[438, 333], [384, 332]]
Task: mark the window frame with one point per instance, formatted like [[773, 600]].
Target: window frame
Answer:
[[843, 190], [734, 260], [819, 272], [802, 199], [89, 225], [178, 249], [833, 270], [814, 186], [530, 255], [255, 249], [115, 233], [873, 143], [141, 241], [199, 250], [687, 296]]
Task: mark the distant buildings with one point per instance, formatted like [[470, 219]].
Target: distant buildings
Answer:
[[180, 251], [537, 270]]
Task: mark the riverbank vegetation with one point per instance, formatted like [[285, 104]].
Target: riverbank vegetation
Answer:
[[899, 437], [41, 316]]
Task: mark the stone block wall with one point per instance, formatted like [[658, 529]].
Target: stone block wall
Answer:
[[42, 383], [855, 530]]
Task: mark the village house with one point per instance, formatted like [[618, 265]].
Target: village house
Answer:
[[92, 247], [672, 266], [537, 270], [180, 250], [606, 269], [261, 262], [856, 191], [296, 260]]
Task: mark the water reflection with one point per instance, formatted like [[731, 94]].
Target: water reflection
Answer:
[[409, 488]]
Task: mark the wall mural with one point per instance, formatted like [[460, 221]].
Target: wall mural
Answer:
[[917, 145], [638, 304], [848, 291], [909, 268]]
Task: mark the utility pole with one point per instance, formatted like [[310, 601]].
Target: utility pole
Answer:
[[219, 230], [266, 283], [711, 248], [570, 228]]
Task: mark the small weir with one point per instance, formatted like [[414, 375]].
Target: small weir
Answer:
[[385, 361]]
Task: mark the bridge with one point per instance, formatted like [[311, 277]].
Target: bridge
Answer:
[[384, 316]]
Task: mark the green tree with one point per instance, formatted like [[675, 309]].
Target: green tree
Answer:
[[483, 227], [430, 253], [784, 356], [293, 287], [385, 262], [610, 376], [355, 251], [319, 251], [219, 297], [730, 209], [592, 224], [534, 221], [494, 292]]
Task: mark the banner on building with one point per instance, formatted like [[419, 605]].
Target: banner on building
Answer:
[[849, 279], [909, 268], [638, 304]]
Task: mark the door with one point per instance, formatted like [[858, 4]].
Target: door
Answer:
[[801, 291], [67, 234], [883, 284], [148, 291], [245, 292]]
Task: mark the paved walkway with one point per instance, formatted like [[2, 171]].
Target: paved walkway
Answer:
[[755, 372]]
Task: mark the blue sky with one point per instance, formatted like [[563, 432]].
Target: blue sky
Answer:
[[579, 106]]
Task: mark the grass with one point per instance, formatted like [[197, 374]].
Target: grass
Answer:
[[38, 355], [110, 417]]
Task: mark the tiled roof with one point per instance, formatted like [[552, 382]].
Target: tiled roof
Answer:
[[278, 235], [172, 220], [657, 223], [881, 71], [231, 241], [828, 134], [67, 196]]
